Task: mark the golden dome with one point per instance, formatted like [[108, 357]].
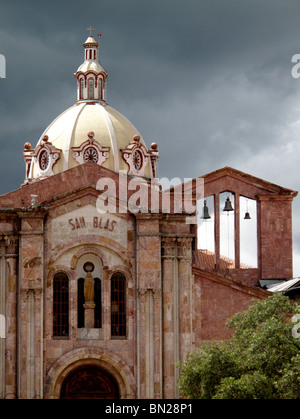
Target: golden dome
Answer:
[[70, 130], [90, 130]]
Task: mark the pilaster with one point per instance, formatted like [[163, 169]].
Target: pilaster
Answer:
[[185, 297], [170, 315], [8, 311], [31, 274], [149, 336], [177, 300]]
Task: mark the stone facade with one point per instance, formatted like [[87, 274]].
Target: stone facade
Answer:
[[173, 303], [102, 288]]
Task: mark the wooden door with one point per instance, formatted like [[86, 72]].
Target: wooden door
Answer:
[[89, 382]]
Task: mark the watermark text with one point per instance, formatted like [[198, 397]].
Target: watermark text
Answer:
[[139, 195]]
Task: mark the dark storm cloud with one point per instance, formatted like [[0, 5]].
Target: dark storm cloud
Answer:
[[208, 80]]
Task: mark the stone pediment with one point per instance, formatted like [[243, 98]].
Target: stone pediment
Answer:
[[229, 178], [57, 186]]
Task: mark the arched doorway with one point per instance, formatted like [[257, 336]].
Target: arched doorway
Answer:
[[89, 382]]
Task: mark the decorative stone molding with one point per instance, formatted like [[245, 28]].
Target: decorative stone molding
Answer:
[[184, 247], [154, 154], [38, 293], [142, 294], [27, 154], [34, 283], [45, 156], [91, 150], [24, 295], [156, 294], [90, 356], [86, 250], [11, 244], [32, 262], [168, 247], [136, 156]]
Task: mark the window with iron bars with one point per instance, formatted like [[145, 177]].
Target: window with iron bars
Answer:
[[60, 306], [118, 305]]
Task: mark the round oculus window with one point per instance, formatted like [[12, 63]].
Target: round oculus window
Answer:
[[90, 154], [137, 160], [44, 160], [88, 267]]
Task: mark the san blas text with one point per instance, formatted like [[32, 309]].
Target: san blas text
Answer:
[[97, 222]]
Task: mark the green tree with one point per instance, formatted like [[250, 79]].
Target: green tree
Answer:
[[260, 361]]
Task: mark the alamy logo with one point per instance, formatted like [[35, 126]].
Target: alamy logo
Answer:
[[2, 67], [139, 195]]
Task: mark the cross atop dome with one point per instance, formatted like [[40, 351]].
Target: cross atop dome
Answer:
[[91, 29]]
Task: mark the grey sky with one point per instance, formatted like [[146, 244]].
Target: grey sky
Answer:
[[208, 80]]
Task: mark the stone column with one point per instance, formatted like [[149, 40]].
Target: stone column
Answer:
[[106, 304], [149, 344], [217, 229], [148, 306], [157, 337], [30, 345], [170, 317], [30, 331], [8, 312], [185, 299], [237, 230], [141, 342], [11, 255], [38, 343]]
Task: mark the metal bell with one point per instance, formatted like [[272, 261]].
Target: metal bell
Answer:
[[228, 206], [247, 216], [205, 215]]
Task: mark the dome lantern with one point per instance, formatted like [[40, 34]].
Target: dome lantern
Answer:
[[91, 75]]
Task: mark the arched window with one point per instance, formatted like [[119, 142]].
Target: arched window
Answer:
[[61, 305], [100, 89], [97, 301], [81, 89], [80, 302], [91, 88], [118, 305]]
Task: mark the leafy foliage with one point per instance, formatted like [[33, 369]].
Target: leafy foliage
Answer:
[[260, 361]]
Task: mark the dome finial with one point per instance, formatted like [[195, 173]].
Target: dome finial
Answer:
[[91, 29]]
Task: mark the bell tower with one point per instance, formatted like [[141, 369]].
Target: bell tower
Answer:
[[91, 75]]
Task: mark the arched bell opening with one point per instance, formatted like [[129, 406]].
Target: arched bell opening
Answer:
[[227, 231], [248, 233], [205, 225], [227, 206]]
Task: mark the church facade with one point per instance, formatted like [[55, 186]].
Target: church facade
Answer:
[[103, 289]]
